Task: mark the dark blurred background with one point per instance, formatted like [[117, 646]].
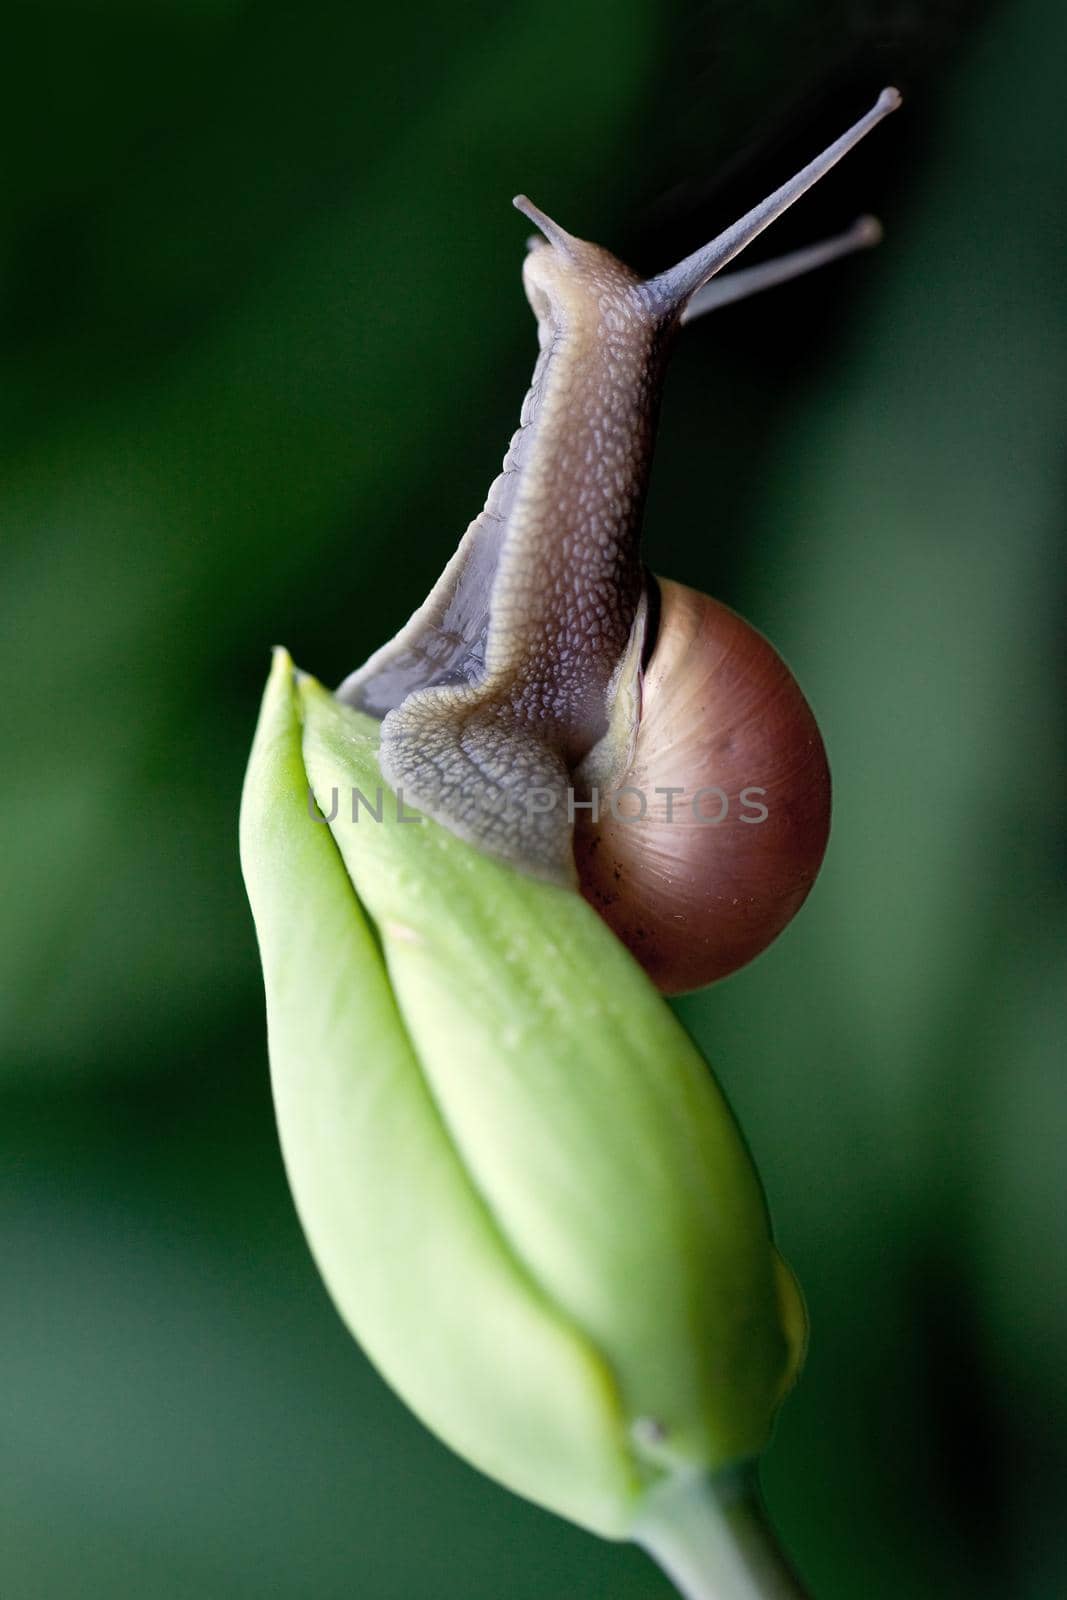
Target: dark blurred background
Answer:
[[264, 343]]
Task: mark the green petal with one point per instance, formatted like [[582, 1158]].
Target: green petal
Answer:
[[413, 1256]]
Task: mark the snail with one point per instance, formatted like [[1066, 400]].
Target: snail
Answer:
[[552, 702]]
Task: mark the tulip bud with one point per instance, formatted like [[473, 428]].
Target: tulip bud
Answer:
[[520, 1181]]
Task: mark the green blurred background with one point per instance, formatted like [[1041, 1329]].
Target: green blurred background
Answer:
[[264, 343]]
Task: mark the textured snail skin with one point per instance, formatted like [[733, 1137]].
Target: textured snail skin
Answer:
[[501, 683], [693, 898]]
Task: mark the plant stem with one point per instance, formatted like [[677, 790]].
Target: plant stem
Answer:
[[711, 1536]]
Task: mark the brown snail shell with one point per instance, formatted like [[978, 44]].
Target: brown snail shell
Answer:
[[695, 898]]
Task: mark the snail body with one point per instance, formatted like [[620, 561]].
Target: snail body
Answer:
[[547, 673]]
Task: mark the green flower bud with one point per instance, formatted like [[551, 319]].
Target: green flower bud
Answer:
[[518, 1177]]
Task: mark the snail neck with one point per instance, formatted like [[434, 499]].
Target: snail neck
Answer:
[[569, 576], [502, 682], [533, 613]]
